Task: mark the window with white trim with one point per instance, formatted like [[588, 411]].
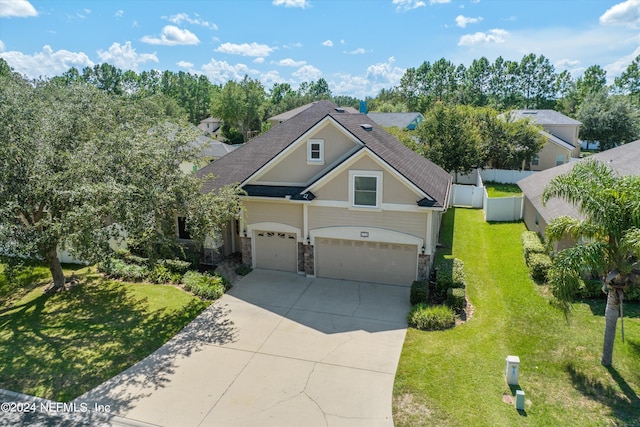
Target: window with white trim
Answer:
[[315, 151], [559, 159], [365, 189], [535, 160]]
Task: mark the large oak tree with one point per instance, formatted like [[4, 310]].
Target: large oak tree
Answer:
[[79, 165]]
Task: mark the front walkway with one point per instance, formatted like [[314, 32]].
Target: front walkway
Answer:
[[278, 350]]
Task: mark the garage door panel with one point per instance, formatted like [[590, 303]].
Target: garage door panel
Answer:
[[276, 250], [374, 262]]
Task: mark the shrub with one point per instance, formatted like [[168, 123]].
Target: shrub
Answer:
[[449, 274], [590, 289], [191, 279], [456, 298], [175, 266], [160, 274], [431, 318], [539, 265], [204, 285], [243, 269], [632, 294], [419, 292], [138, 260], [531, 244]]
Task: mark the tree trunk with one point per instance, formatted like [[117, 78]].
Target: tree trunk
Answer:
[[53, 263], [611, 314]]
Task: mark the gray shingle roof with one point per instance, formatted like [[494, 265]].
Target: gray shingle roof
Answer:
[[212, 148], [624, 159], [545, 117], [240, 164], [401, 120]]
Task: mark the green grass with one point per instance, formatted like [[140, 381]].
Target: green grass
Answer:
[[495, 189], [61, 345], [456, 377]]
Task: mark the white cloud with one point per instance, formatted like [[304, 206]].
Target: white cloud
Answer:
[[291, 63], [220, 72], [406, 5], [1, 46], [172, 36], [462, 21], [439, 1], [125, 56], [327, 43], [625, 13], [358, 51], [184, 64], [269, 78], [618, 67], [184, 17], [291, 3], [17, 8], [378, 76], [307, 73], [496, 35], [46, 63], [245, 49], [119, 13]]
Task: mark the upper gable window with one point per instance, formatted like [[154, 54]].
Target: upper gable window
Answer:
[[365, 189], [315, 151]]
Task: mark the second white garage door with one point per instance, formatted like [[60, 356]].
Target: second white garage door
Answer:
[[276, 251], [373, 262]]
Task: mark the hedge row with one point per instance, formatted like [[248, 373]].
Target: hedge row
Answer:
[[531, 244], [535, 256], [449, 274]]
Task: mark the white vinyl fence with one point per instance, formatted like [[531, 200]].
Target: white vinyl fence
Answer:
[[470, 192]]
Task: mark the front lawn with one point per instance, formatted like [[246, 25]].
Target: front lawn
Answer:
[[456, 377], [62, 345]]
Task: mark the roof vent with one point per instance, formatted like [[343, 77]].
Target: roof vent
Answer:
[[366, 126], [340, 110]]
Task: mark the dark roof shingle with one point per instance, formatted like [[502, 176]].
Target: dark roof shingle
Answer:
[[240, 164]]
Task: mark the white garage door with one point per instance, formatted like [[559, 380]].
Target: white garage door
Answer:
[[373, 262], [276, 251]]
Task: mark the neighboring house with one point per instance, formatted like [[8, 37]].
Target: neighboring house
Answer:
[[401, 120], [209, 150], [283, 117], [624, 159], [211, 126], [331, 194], [561, 134]]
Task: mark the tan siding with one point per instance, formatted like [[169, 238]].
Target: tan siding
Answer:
[[393, 191], [284, 213], [548, 156], [529, 215], [294, 168], [413, 223]]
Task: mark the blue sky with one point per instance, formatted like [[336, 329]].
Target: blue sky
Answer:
[[358, 46]]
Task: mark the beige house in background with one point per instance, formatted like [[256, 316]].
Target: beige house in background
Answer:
[[561, 135], [331, 194]]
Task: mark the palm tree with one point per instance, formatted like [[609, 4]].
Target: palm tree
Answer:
[[608, 238]]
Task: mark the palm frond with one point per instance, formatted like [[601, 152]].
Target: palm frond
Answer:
[[568, 226]]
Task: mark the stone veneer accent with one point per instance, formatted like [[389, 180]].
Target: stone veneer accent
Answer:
[[246, 250], [300, 257], [424, 264], [309, 267]]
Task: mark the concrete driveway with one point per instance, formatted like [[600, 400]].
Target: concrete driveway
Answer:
[[277, 350]]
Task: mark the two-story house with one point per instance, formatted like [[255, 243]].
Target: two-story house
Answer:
[[331, 194], [561, 134]]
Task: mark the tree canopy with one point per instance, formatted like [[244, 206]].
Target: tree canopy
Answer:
[[80, 165]]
